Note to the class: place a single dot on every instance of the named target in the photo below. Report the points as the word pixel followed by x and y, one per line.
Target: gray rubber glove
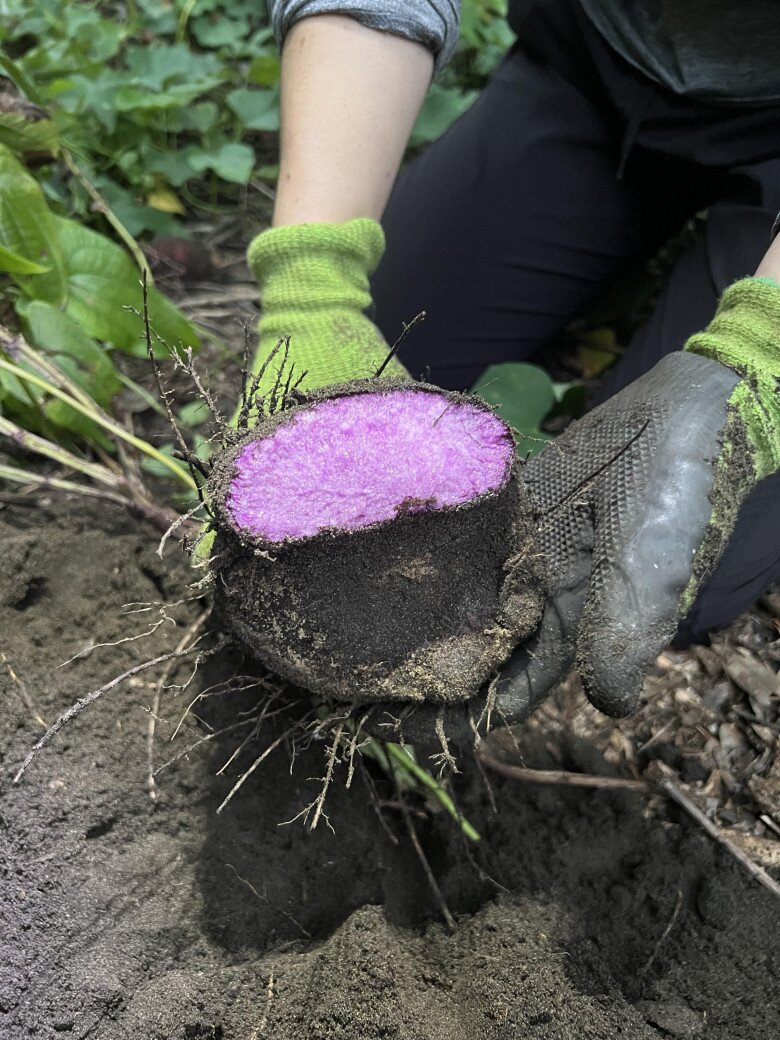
pixel 623 504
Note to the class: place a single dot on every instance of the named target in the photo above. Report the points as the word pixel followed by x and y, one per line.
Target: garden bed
pixel 581 913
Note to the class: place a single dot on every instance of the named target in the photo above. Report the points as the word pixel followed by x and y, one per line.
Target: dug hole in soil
pixel 123 916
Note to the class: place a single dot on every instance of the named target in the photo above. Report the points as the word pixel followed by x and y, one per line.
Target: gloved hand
pixel 636 503
pixel 314 287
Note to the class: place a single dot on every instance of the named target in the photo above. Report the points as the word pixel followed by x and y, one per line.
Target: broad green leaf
pixel 257 109
pixel 175 167
pixel 77 424
pixel 441 108
pixel 220 31
pixel 12 263
pixel 80 357
pixel 231 162
pixel 23 135
pixel 200 117
pixel 264 70
pixel 27 229
pixel 570 399
pixel 523 395
pixel 102 282
pixel 158 65
pixel 194 413
pixel 137 217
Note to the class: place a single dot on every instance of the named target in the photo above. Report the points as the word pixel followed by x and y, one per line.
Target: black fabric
pixel 569 166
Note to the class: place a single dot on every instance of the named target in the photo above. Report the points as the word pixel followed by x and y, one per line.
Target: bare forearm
pixel 770 265
pixel 350 96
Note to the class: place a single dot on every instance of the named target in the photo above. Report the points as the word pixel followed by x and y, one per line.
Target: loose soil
pixel 126 917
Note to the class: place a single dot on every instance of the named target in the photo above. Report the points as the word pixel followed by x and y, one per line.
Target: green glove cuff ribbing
pixel 314 283
pixel 744 335
pixel 317 263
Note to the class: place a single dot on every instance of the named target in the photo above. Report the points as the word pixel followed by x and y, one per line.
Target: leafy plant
pixel 149 100
pixel 71 289
pixel 163 105
pixel 526 396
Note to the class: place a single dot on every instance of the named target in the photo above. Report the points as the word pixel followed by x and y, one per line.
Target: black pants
pixel 568 166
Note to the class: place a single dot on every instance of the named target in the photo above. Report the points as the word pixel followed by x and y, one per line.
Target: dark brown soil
pixel 125 917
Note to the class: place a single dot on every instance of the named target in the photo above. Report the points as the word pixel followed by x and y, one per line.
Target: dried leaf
pixel 164 200
pixel 752 675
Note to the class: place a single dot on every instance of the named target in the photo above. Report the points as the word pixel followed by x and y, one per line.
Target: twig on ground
pixel 320 802
pixel 182 645
pixel 23 692
pixel 560 777
pixel 449 920
pixel 267 901
pixel 90 698
pixel 670 788
pixel 664 935
pixel 269 996
pixel 666 785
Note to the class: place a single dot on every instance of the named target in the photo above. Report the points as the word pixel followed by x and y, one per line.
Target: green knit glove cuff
pixel 314 283
pixel 744 335
pixel 317 264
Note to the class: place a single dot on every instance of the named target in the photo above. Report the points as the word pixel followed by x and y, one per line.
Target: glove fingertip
pixel 612 676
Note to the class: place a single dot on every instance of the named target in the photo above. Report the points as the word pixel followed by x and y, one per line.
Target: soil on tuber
pixel 375 543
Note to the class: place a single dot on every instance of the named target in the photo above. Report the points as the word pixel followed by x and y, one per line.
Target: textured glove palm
pixel 636 503
pixel 314 287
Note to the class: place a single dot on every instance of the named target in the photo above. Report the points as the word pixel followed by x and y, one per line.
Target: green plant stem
pixel 16 346
pixel 102 420
pixel 24 476
pixel 20 80
pixel 404 761
pixel 32 442
pixel 184 17
pixel 103 207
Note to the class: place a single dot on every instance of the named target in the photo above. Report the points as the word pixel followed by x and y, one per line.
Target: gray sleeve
pixel 433 23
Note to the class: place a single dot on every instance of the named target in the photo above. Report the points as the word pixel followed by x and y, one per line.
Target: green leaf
pixel 264 70
pixel 23 135
pixel 27 229
pixel 194 413
pixel 220 31
pixel 12 263
pixel 66 418
pixel 158 65
pixel 17 76
pixel 102 281
pixel 570 399
pixel 443 105
pixel 523 395
pixel 257 109
pixel 200 117
pixel 231 162
pixel 81 358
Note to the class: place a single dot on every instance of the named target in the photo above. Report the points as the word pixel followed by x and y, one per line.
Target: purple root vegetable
pixel 375 543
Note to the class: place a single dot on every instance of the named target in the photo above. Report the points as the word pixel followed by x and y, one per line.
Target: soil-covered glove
pixel 636 503
pixel 314 286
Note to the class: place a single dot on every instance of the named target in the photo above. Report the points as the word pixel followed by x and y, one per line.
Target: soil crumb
pixel 581 915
